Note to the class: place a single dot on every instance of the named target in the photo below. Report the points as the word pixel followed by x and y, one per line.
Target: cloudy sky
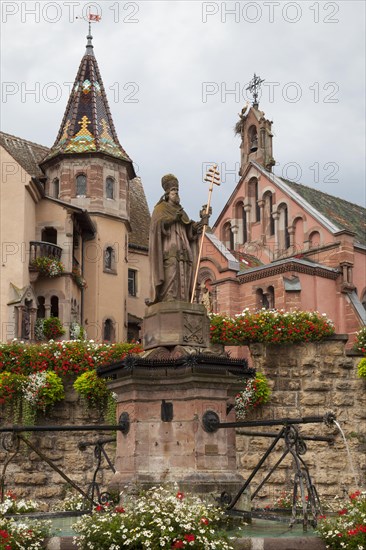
pixel 176 74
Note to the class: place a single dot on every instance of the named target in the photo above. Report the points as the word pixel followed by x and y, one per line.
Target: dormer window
pixel 109 188
pixel 81 185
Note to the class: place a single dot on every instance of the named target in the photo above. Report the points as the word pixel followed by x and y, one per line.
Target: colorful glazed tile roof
pixel 87 125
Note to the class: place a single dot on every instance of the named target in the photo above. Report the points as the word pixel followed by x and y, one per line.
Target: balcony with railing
pixel 42 249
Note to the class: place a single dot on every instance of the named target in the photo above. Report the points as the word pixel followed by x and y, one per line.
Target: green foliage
pixel 360 344
pixel 155 519
pixel 255 393
pixel 348 529
pixel 48 267
pixel 92 388
pixel 271 327
pixel 361 368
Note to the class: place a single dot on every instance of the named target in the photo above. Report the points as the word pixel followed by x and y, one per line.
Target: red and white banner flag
pixel 94 17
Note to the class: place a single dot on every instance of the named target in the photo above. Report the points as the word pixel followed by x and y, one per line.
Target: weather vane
pixel 254 87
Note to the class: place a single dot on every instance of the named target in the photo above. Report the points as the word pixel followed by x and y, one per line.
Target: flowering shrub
pixel 78 278
pixel 270 326
pixel 361 368
pixel 49 329
pixel 72 503
pixel 67 357
pixel 48 267
pixel 348 529
pixel 360 344
pixel 256 392
pixel 95 392
pixel 39 391
pixel 25 534
pixel 24 395
pixel 11 505
pixel 77 332
pixel 156 519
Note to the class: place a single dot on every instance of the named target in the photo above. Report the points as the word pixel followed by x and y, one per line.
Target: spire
pixel 89 45
pixel 87 125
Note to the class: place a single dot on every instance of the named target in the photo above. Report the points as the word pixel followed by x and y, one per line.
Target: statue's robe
pixel 173 253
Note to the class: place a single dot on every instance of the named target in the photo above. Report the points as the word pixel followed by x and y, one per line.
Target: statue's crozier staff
pixel 172 246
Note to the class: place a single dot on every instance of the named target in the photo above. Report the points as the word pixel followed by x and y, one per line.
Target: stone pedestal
pixel 169 324
pixel 166 441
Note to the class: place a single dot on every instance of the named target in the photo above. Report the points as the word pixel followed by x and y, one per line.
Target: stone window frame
pixel 109 321
pixel 81 174
pixel 111 267
pixel 133 278
pixel 110 179
pixel 55 188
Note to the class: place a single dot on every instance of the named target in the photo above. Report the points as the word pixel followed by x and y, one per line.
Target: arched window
pixel 81 185
pixel 228 236
pixel 252 139
pixel 41 310
pixel 49 235
pixel 283 234
pixel 314 239
pixel 269 221
pixel 56 188
pixel 271 297
pixel 253 195
pixel 108 258
pixel 108 330
pixel 54 306
pixel 109 188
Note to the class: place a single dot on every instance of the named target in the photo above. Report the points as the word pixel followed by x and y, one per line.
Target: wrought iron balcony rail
pixel 42 249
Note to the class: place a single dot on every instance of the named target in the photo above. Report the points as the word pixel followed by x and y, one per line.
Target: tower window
pixel 132 282
pixel 54 306
pixel 109 188
pixel 108 330
pixel 49 235
pixel 81 185
pixel 109 260
pixel 253 139
pixel 56 188
pixel 41 310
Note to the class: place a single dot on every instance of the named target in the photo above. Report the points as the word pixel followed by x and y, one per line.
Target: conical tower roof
pixel 87 125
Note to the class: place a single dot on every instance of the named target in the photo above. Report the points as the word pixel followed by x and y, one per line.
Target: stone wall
pixel 309 380
pixel 30 477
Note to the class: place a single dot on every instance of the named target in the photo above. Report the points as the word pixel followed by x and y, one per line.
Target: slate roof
pixel 26 153
pixel 342 213
pixel 87 125
pixel 139 215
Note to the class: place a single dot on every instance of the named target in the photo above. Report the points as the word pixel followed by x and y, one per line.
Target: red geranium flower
pixel 119 509
pixel 189 538
pixel 180 496
pixel 178 544
pixel 204 521
pixel 342 512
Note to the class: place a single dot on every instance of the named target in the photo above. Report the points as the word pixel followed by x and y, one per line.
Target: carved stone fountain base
pixel 169 324
pixel 165 442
